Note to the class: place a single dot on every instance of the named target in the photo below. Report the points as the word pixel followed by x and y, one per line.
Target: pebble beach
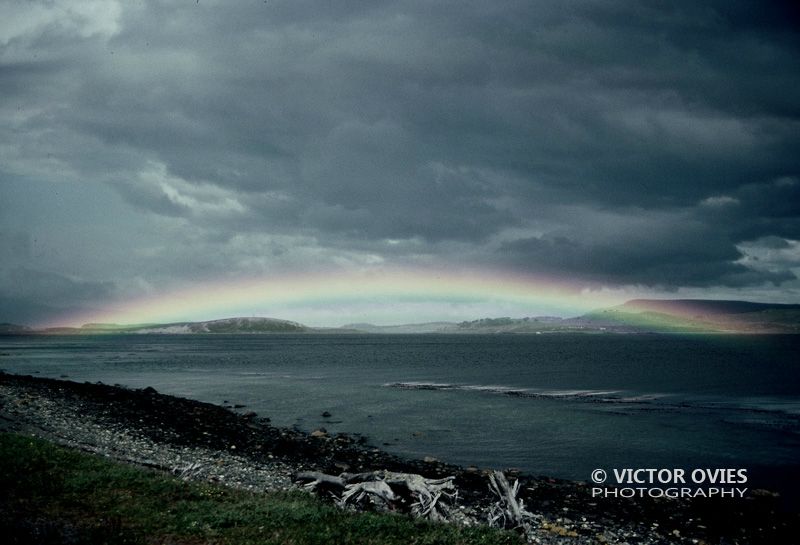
pixel 232 446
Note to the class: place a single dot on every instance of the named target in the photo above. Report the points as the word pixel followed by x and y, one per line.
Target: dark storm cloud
pixel 692 246
pixel 28 295
pixel 691 255
pixel 621 142
pixel 770 209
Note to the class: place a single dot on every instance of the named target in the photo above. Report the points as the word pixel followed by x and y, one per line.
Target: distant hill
pixel 428 327
pixel 480 326
pixel 695 315
pixel 230 325
pixel 635 316
pixel 13 329
pixel 537 324
pixel 226 325
pixel 703 307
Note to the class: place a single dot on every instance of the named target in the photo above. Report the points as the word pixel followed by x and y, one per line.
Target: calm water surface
pixel 558 405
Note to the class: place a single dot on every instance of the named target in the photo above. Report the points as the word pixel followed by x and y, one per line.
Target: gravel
pixel 223 445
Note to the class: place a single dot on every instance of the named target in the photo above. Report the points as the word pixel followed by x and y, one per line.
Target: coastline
pixel 234 447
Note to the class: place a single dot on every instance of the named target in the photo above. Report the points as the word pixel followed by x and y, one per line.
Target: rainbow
pixel 381 296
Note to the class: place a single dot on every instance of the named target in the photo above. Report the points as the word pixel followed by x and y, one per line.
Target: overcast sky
pixel 650 146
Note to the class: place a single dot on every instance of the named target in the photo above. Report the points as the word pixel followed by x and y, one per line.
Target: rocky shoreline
pixel 231 446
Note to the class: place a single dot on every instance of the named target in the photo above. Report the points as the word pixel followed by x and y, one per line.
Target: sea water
pixel 559 405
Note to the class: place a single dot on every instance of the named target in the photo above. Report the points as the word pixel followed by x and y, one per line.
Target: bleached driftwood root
pixel 188 472
pixel 432 497
pixel 368 490
pixel 423 497
pixel 509 511
pixel 315 478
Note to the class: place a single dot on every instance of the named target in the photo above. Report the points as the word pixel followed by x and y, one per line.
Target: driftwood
pixel 315 478
pixel 189 472
pixel 509 511
pixel 368 490
pixel 421 496
pixel 426 493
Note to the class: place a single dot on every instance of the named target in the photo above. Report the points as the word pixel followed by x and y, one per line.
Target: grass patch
pixel 50 494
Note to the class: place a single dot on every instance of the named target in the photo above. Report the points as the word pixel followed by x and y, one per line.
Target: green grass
pixel 50 494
